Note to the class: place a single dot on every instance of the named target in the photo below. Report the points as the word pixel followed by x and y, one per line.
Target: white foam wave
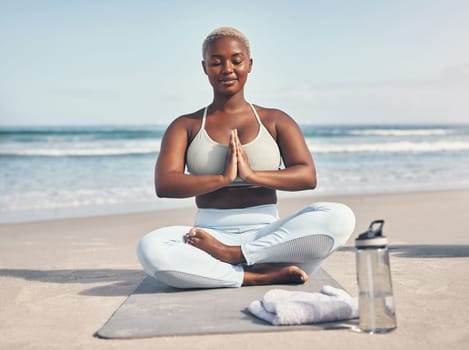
pixel 73 198
pixel 85 150
pixel 403 146
pixel 401 132
pixel 398 147
pixel 75 152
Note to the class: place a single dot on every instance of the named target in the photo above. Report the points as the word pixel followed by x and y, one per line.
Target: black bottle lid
pixel 373 237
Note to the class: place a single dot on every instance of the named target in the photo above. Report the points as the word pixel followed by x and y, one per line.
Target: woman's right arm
pixel 170 179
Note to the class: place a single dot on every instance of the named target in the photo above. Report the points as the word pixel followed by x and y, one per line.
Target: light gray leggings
pixel 304 238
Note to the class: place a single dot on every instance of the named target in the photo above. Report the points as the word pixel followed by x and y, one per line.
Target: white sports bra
pixel 206 156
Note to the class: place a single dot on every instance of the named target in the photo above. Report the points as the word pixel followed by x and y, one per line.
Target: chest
pixel 219 126
pixel 220 132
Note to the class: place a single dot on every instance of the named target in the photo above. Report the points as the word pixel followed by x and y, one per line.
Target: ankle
pixel 234 255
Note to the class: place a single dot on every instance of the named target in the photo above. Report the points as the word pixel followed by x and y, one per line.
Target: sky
pixel 134 62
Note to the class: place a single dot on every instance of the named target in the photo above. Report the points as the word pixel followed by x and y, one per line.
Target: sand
pixel 61 280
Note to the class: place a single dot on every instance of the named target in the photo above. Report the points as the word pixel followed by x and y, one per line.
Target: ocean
pixel 55 172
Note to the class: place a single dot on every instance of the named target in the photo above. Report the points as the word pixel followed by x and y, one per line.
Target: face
pixel 227 65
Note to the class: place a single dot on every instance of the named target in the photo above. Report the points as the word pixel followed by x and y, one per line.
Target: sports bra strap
pixel 202 127
pixel 257 115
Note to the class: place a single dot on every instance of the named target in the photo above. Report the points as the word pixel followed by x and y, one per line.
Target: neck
pixel 228 103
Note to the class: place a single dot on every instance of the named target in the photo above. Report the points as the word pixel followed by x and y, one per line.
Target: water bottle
pixel 376 301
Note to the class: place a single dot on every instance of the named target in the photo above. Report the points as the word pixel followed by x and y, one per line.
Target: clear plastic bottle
pixel 376 300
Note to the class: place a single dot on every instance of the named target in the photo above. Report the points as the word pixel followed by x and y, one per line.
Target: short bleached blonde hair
pixel 225 32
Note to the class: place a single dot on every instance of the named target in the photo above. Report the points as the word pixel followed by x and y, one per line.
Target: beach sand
pixel 61 280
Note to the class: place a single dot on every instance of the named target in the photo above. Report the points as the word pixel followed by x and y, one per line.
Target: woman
pixel 233 152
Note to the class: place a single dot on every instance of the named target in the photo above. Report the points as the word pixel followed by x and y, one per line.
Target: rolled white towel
pixel 282 307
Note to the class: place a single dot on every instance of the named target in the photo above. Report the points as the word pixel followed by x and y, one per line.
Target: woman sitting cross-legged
pixel 233 151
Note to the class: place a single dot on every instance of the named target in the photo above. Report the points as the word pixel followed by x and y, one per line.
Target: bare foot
pixel 267 274
pixel 203 240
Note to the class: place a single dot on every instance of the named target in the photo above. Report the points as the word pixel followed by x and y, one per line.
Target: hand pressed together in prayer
pixel 237 162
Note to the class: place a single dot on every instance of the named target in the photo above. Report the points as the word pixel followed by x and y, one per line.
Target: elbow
pixel 161 191
pixel 305 180
pixel 312 181
pixel 308 177
pixel 167 191
pixel 163 187
pixel 306 183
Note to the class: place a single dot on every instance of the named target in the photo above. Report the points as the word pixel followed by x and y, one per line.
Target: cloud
pixel 437 100
pixel 457 73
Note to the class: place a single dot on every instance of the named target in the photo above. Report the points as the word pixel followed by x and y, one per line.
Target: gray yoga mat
pixel 155 309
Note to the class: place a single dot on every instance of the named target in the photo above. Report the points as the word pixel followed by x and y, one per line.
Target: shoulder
pixel 274 119
pixel 188 119
pixel 187 123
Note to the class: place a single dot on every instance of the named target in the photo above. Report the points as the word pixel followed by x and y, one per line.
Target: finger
pixel 237 141
pixel 240 150
pixel 231 143
pixel 234 134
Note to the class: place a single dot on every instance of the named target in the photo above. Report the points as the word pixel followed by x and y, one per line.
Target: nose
pixel 227 67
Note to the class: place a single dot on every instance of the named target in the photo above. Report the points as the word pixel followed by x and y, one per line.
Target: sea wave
pixel 82 150
pixel 72 198
pixel 402 132
pixel 392 147
pixel 96 133
pixel 77 152
pixel 154 148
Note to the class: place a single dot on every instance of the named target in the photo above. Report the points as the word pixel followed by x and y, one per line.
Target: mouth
pixel 227 80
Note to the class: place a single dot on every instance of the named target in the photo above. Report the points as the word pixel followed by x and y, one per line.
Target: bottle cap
pixel 373 237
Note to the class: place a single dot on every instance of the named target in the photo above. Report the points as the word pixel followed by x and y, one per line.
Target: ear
pixel 250 65
pixel 204 67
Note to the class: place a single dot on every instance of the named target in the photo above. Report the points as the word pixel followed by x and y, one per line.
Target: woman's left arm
pixel 299 173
